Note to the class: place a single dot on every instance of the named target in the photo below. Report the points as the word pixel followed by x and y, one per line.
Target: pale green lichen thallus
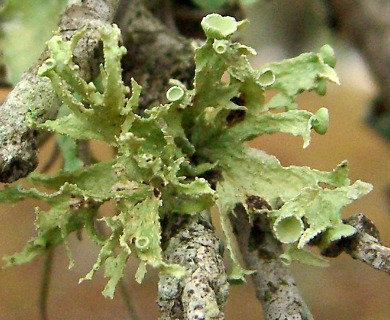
pixel 154 173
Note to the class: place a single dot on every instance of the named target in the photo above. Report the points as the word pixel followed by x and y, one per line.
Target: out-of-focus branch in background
pixel 366 24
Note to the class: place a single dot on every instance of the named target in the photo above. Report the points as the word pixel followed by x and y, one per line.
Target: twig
pixel 275 286
pixel 34 97
pixel 55 153
pixel 18 140
pixel 364 245
pixel 85 152
pixel 202 292
pixel 45 284
pixel 130 307
pixel 3 73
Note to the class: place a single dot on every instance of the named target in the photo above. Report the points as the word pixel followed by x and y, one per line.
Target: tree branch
pixel 364 245
pixel 202 292
pixel 275 286
pixel 155 53
pixel 366 24
pixel 34 97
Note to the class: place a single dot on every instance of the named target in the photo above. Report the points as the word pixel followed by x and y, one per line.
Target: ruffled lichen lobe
pixel 186 156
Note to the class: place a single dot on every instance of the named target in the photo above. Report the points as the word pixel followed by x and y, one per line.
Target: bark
pixel 155 53
pixel 364 245
pixel 275 286
pixel 34 98
pixel 203 291
pixel 366 24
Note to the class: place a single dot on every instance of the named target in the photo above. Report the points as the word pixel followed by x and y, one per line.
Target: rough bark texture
pixel 275 286
pixel 366 23
pixel 155 53
pixel 203 291
pixel 33 96
pixel 18 155
pixel 364 245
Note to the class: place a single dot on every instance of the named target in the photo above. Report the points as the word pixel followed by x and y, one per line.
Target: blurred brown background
pixel 346 290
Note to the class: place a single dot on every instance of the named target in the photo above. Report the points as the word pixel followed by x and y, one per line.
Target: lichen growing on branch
pixel 186 156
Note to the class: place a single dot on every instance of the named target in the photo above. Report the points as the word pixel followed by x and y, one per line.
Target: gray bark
pixel 274 283
pixel 203 291
pixel 34 98
pixel 155 53
pixel 364 245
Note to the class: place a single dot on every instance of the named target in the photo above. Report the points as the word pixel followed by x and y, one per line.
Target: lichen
pixel 186 156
